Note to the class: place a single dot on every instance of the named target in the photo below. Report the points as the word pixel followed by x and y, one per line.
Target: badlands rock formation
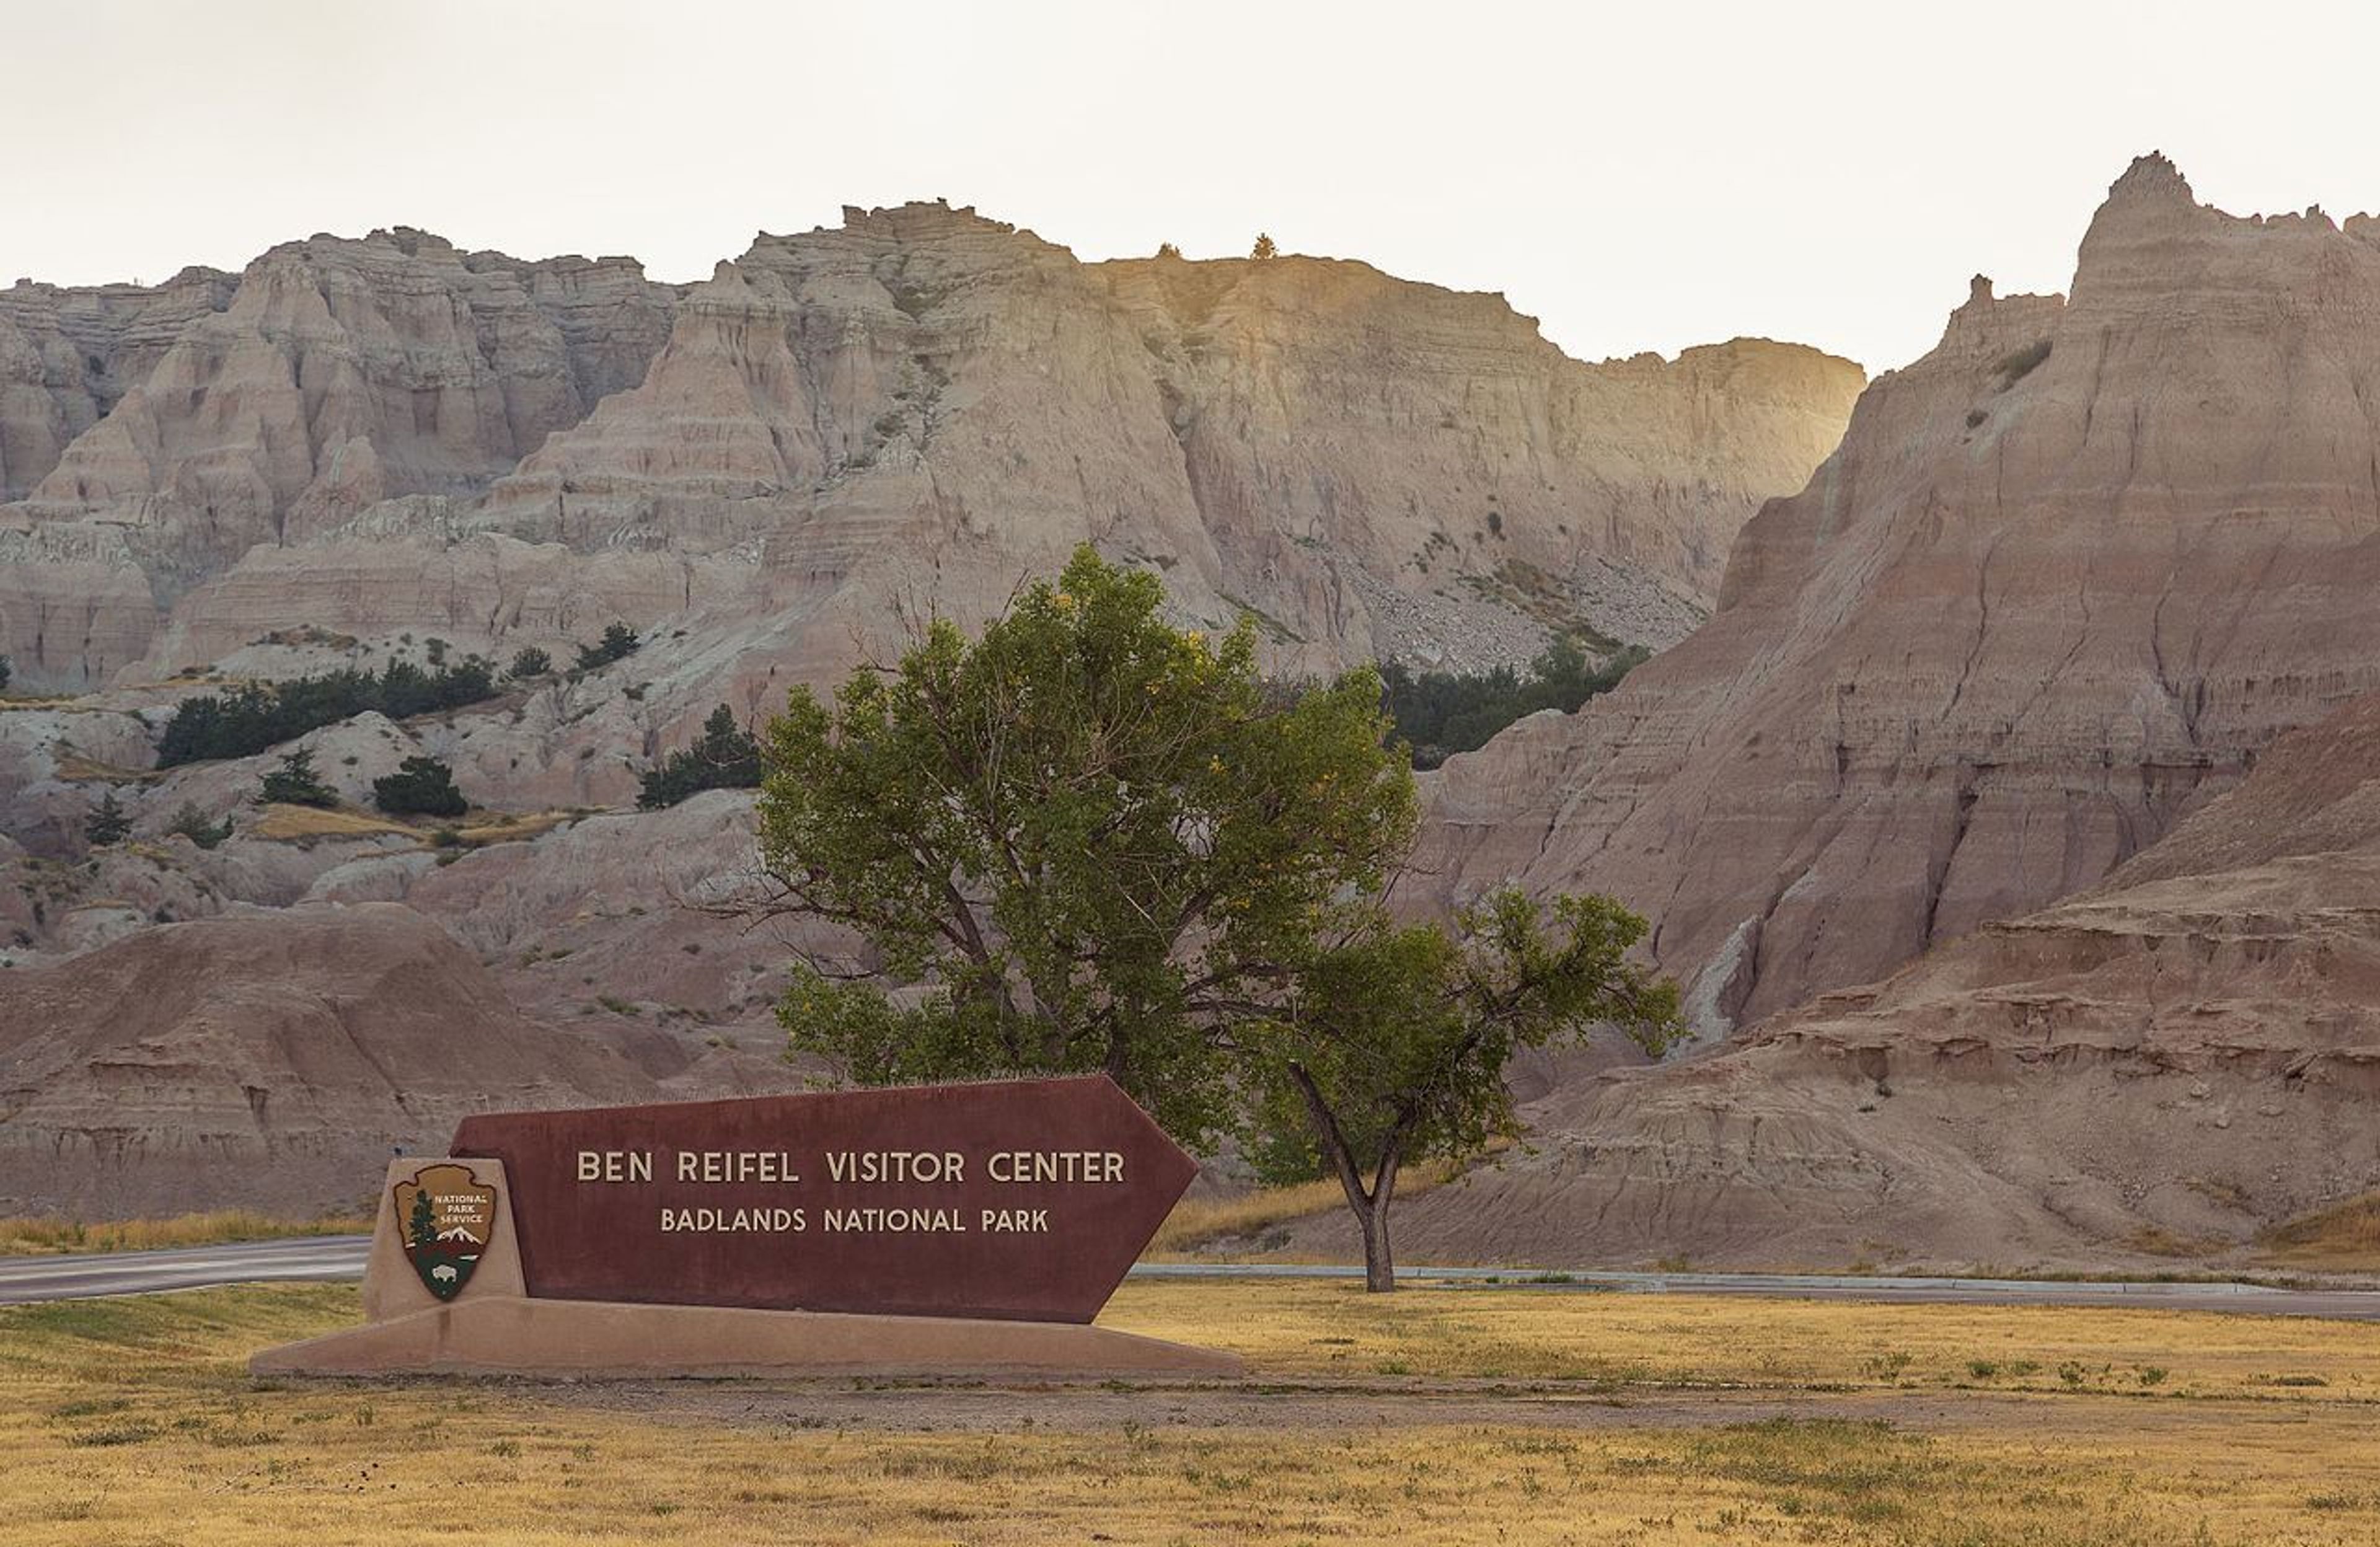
pixel 2064 579
pixel 2162 1065
pixel 271 1059
pixel 385 436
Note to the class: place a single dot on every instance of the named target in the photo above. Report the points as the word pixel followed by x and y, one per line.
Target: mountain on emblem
pixel 444 1218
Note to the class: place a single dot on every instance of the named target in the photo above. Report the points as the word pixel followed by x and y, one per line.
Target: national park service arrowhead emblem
pixel 446 1216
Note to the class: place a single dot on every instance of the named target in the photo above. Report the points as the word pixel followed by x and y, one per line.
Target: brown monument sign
pixel 931 1230
pixel 1018 1200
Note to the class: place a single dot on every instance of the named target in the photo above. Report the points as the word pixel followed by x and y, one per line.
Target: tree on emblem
pixel 425 1222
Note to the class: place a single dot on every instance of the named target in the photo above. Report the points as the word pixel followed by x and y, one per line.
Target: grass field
pixel 1437 1416
pixel 43 1237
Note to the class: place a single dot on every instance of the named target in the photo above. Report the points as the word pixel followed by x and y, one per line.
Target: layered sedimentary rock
pixel 271 1059
pixel 917 410
pixel 2064 579
pixel 156 438
pixel 1324 408
pixel 929 405
pixel 346 372
pixel 2166 1063
pixel 68 355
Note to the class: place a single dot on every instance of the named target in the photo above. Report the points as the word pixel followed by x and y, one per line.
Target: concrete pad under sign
pixel 516 1335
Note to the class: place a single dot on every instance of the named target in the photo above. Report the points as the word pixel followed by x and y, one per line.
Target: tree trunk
pixel 1379 1265
pixel 1370 1205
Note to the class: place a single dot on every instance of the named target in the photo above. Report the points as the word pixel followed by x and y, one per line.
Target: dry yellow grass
pixel 291 822
pixel 130 1421
pixel 299 822
pixel 2344 1237
pixel 1624 1342
pixel 36 1237
pixel 74 768
pixel 1201 1222
pixel 496 827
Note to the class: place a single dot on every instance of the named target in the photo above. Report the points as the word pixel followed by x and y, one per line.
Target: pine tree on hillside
pixel 295 783
pixel 421 786
pixel 108 824
pixel 192 823
pixel 725 756
pixel 619 643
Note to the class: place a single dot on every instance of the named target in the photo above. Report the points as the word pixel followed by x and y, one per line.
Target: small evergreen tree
pixel 108 825
pixel 192 823
pixel 1167 249
pixel 295 783
pixel 421 786
pixel 4 670
pixel 725 756
pixel 619 641
pixel 1264 247
pixel 528 663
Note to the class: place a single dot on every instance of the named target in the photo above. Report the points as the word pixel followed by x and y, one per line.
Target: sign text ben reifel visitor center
pixel 1022 1199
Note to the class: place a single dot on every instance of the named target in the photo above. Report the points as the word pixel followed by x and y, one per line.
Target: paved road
pixel 139 1272
pixel 342 1257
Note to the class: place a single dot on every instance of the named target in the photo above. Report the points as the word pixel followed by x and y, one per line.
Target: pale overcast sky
pixel 1644 177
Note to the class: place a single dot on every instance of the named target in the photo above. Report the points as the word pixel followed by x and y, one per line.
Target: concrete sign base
pixel 516 1335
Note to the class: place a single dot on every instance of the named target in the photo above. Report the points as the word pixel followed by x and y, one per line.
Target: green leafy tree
pixel 619 643
pixel 1264 247
pixel 725 756
pixel 421 786
pixel 107 822
pixel 1392 1047
pixel 295 783
pixel 528 663
pixel 192 823
pixel 1088 841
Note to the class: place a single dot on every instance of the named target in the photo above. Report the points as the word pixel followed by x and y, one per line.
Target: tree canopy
pixel 1439 713
pixel 421 786
pixel 725 756
pixel 1091 840
pixel 108 823
pixel 619 643
pixel 1084 841
pixel 294 781
pixel 250 718
pixel 1390 1047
